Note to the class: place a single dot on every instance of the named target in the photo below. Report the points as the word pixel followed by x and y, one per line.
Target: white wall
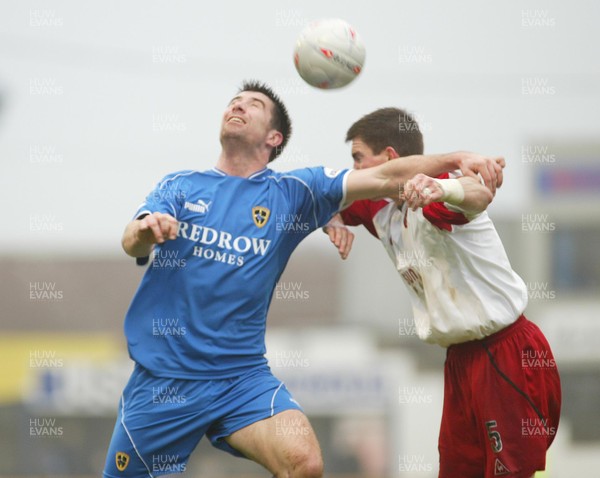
pixel 135 89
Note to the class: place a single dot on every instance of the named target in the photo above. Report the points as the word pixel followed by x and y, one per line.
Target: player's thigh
pixel 122 459
pixel 519 404
pixel 283 443
pixel 160 421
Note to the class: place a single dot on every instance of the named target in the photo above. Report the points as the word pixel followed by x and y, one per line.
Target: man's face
pixel 248 116
pixel 364 157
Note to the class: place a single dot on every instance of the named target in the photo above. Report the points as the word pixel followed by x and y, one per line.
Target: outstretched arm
pixel 387 180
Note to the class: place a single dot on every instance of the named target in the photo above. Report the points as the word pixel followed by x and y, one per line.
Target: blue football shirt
pixel 200 310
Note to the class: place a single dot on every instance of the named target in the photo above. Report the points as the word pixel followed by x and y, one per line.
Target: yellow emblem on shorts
pixel 260 215
pixel 122 460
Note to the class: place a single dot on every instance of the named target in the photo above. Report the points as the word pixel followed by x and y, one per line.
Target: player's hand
pixel 340 236
pixel 421 191
pixel 490 169
pixel 157 228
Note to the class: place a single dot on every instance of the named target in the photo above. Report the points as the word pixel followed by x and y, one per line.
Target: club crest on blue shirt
pixel 122 460
pixel 260 215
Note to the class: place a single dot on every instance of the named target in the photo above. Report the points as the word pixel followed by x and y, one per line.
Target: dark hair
pixel 388 127
pixel 280 118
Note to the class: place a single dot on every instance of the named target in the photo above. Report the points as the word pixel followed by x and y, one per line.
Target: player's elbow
pixel 488 197
pixel 127 245
pixel 477 200
pixel 485 199
pixel 128 242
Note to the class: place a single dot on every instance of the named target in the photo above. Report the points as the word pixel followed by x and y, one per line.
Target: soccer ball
pixel 329 54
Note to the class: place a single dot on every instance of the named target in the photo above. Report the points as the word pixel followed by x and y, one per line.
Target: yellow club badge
pixel 122 460
pixel 260 215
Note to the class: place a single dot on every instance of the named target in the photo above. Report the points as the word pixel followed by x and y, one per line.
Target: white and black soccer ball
pixel 329 54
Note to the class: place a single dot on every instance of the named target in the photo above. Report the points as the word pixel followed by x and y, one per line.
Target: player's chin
pixel 229 133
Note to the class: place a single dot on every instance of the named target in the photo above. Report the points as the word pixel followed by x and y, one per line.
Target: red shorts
pixel 501 405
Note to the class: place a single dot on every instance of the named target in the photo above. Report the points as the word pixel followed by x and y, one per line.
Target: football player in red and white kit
pixel 501 386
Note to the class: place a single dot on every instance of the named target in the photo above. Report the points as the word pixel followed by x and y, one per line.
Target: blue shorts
pixel 161 420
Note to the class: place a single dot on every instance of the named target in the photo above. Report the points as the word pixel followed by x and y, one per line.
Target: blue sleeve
pixel 167 197
pixel 318 191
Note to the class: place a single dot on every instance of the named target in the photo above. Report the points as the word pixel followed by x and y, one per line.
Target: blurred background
pixel 99 100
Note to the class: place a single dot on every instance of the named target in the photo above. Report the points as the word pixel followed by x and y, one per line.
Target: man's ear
pixel 274 138
pixel 391 153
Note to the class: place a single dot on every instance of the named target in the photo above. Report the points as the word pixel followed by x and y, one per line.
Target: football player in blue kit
pixel 195 328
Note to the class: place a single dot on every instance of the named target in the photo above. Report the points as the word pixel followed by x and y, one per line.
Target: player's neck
pixel 243 164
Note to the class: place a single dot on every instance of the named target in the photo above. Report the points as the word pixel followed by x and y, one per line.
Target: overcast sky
pixel 99 100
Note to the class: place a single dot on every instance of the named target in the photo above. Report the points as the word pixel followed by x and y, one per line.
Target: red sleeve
pixel 363 212
pixel 440 216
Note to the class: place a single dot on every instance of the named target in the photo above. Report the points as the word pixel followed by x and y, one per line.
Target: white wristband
pixel 454 192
